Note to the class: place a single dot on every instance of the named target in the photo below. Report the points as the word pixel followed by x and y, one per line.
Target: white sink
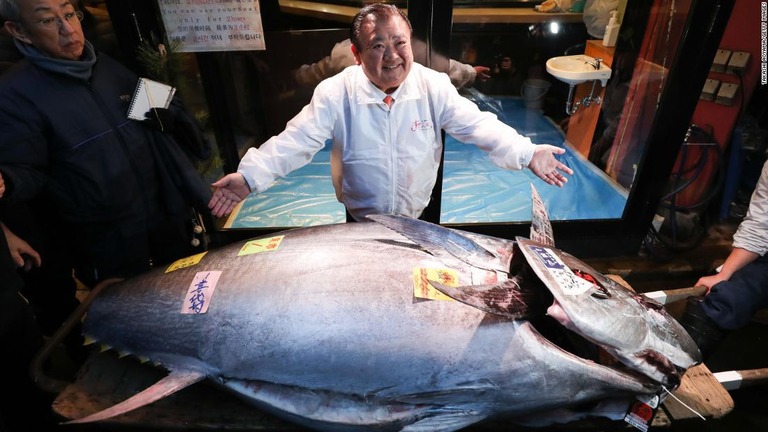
pixel 576 69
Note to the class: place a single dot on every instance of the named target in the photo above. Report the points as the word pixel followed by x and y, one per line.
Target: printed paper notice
pixel 213 25
pixel 424 290
pixel 564 277
pixel 186 262
pixel 260 245
pixel 200 292
pixel 541 228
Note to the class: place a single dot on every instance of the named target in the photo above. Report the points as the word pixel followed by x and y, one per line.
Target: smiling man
pixel 384 117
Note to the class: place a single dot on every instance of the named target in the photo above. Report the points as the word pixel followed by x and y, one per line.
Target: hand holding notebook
pixel 149 94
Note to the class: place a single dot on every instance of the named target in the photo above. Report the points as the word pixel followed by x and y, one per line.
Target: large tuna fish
pixel 340 327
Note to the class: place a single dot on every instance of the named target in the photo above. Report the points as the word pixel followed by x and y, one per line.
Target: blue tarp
pixel 474 189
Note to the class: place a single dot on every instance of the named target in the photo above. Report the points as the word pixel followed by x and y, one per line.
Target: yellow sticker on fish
pixel 186 262
pixel 424 290
pixel 260 245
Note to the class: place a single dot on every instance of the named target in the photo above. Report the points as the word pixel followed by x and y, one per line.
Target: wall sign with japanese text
pixel 213 25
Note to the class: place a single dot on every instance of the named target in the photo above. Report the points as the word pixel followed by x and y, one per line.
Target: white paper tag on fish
pixel 200 292
pixel 568 282
pixel 641 412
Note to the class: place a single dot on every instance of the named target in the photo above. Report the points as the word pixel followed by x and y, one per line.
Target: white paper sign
pixel 568 282
pixel 200 292
pixel 213 25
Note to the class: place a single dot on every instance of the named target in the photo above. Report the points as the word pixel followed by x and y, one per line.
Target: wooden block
pixel 699 392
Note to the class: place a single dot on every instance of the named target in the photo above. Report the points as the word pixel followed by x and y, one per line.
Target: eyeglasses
pixel 56 22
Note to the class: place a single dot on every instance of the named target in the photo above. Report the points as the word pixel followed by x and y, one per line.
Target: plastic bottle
pixel 611 31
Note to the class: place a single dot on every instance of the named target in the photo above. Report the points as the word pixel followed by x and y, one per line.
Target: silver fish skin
pixel 324 330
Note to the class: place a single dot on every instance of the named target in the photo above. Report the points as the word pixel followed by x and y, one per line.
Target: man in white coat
pixel 385 155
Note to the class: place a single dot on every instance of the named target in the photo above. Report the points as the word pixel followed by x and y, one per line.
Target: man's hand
pixel 161 119
pixel 2 185
pixel 710 281
pixel 736 260
pixel 21 252
pixel 547 167
pixel 228 191
pixel 482 73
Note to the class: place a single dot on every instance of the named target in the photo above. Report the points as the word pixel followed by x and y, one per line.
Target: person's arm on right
pixel 547 167
pixel 506 147
pixel 751 238
pixel 737 259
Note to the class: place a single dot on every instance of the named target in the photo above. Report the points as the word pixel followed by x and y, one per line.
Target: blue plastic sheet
pixel 474 189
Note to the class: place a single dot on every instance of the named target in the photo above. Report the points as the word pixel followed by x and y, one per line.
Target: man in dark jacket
pixel 119 192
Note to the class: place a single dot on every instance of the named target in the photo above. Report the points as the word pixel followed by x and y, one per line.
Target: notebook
pixel 149 94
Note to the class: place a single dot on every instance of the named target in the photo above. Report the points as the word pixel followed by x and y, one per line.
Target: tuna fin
pixel 541 228
pixel 507 298
pixel 173 382
pixel 438 240
pixel 449 421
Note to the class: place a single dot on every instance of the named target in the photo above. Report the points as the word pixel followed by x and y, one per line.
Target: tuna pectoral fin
pixel 172 383
pixel 445 422
pixel 505 299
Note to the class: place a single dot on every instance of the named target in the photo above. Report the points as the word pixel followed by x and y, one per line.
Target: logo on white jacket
pixel 421 125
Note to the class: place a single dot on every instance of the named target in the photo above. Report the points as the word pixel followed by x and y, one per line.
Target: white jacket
pixel 752 234
pixel 383 160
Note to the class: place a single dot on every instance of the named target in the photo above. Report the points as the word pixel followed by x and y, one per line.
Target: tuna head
pixel 635 330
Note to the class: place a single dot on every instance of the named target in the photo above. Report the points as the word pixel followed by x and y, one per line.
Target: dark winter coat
pixel 69 143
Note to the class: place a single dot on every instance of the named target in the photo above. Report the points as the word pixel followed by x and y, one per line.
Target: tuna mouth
pixel 581 347
pixel 551 322
pixel 571 341
pixel 586 350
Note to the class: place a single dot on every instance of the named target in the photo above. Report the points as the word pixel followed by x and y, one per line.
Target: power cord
pixel 685 226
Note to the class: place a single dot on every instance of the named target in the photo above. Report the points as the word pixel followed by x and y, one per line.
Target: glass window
pixel 607 128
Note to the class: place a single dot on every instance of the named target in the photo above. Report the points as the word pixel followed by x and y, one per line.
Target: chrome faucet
pixel 596 63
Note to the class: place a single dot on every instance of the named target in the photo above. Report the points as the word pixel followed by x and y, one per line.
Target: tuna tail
pixel 441 241
pixel 541 228
pixel 173 382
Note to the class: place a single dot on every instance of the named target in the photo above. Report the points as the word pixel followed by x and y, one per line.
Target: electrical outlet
pixel 721 60
pixel 710 89
pixel 727 94
pixel 737 63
